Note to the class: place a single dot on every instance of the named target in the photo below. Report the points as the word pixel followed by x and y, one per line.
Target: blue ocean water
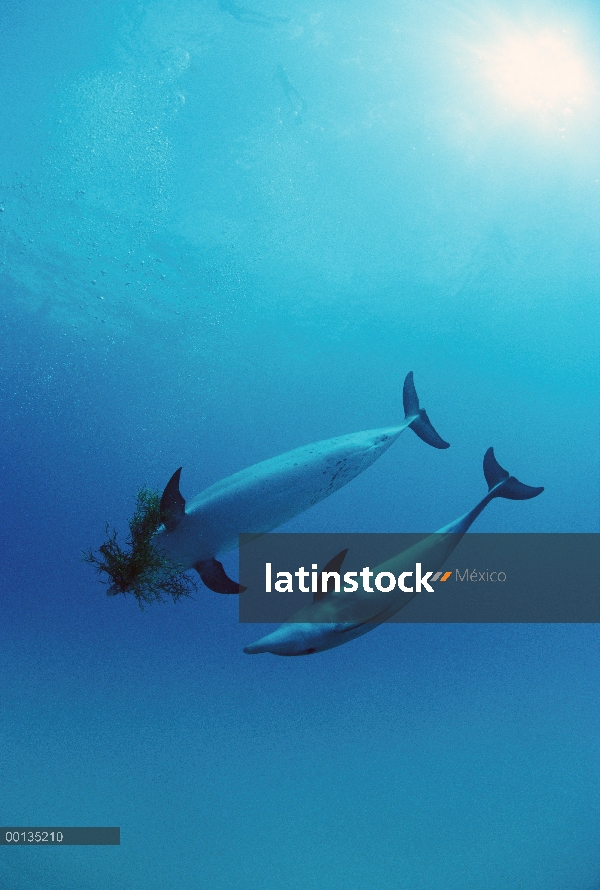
pixel 227 230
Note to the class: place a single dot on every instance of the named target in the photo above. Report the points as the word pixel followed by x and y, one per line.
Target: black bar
pixel 58 837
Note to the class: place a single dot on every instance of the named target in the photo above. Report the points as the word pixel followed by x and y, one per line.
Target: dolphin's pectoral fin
pixel 213 575
pixel 421 425
pixel 172 504
pixel 334 565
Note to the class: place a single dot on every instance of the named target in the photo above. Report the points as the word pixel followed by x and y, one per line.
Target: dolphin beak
pixel 282 641
pixel 255 649
pixel 288 639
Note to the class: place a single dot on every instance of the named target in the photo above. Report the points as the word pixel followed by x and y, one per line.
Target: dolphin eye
pixel 309 651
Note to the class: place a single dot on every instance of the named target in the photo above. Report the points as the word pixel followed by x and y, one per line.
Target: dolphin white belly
pixel 264 496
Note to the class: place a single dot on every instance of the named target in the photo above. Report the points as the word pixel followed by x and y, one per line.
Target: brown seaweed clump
pixel 142 569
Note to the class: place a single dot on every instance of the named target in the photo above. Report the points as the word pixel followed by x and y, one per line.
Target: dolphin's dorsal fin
pixel 172 504
pixel 334 565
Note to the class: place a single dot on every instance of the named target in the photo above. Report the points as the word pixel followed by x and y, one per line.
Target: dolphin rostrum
pixel 264 496
pixel 335 618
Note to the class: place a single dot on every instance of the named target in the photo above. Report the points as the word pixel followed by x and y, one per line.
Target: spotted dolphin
pixel 264 496
pixel 333 619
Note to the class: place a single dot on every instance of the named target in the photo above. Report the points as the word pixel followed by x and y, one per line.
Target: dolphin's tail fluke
pixel 421 425
pixel 502 485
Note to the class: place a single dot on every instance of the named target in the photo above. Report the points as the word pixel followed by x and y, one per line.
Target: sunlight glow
pixel 540 73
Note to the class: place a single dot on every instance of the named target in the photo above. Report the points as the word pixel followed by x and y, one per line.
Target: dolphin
pixel 264 496
pixel 333 619
pixel 250 16
pixel 295 101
